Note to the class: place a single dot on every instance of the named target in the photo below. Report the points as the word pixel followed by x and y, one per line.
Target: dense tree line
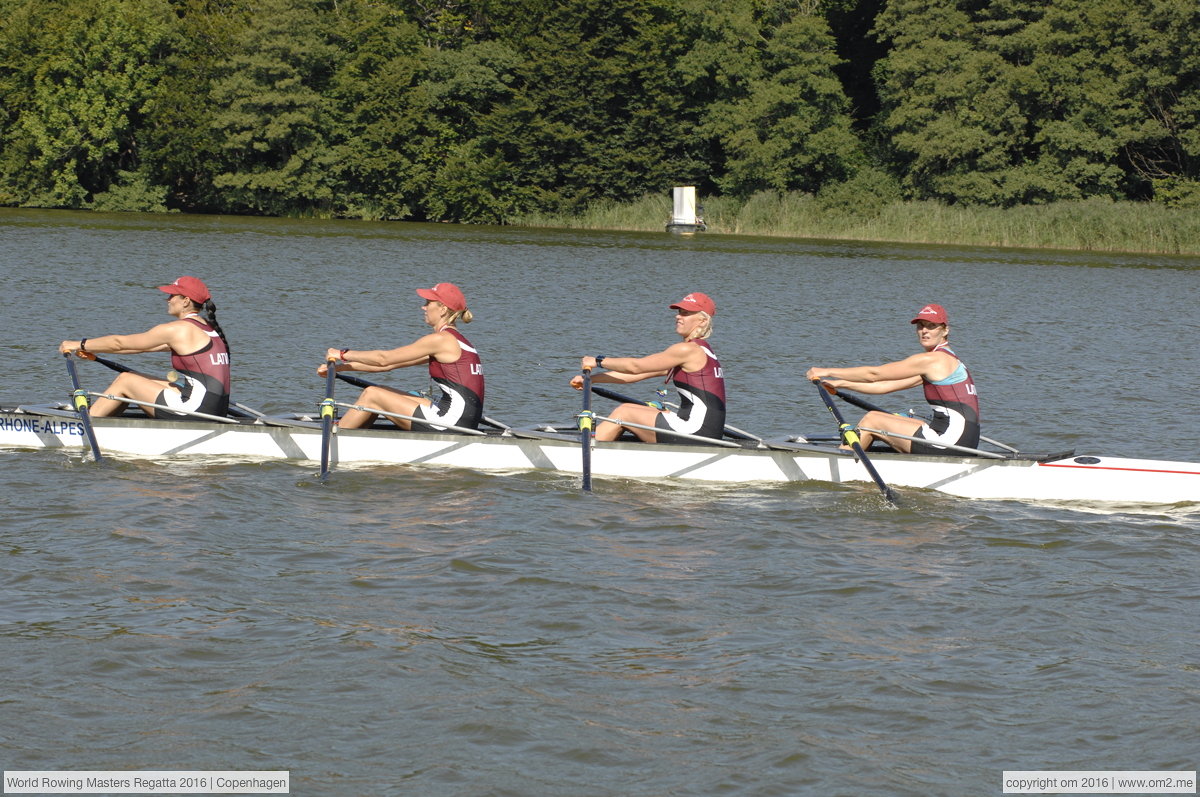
pixel 476 110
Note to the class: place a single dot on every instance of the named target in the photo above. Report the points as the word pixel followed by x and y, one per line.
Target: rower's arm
pixel 159 338
pixel 905 370
pixel 417 353
pixel 874 388
pixel 615 378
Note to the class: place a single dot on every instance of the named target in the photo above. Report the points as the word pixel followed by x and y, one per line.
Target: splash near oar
pixel 328 415
pixel 79 400
pixel 850 438
pixel 587 424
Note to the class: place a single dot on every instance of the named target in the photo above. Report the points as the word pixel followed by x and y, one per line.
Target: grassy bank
pixel 1094 224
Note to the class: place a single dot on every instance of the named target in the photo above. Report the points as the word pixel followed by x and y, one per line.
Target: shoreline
pixel 1090 225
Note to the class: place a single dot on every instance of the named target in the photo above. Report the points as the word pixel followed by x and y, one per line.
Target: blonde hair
pixel 704 330
pixel 455 315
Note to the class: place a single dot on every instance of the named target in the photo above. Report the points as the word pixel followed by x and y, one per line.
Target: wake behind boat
pixel 1091 480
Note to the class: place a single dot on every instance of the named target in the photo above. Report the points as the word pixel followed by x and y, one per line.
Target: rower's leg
pixel 135 386
pixel 634 413
pixel 383 398
pixel 885 421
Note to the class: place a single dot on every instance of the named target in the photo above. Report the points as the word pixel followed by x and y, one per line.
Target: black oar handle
pixel 79 401
pixel 862 404
pixel 850 436
pixel 614 395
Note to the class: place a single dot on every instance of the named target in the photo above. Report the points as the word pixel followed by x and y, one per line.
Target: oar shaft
pixel 587 425
pixel 163 407
pixel 863 404
pixel 851 437
pixel 80 402
pixel 712 441
pixel 328 413
pixel 975 452
pixel 432 422
pixel 730 431
pixel 363 383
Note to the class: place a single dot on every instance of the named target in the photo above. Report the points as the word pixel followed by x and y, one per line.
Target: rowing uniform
pixel 461 384
pixel 205 374
pixel 701 401
pixel 955 405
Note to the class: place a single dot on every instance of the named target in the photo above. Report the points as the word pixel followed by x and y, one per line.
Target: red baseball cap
pixel 933 313
pixel 447 293
pixel 191 287
pixel 696 302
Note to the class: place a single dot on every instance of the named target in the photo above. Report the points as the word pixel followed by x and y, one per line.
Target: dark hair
pixel 210 310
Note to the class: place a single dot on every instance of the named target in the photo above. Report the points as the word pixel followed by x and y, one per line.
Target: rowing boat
pixel 1050 477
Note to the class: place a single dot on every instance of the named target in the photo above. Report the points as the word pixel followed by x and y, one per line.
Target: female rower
pixel 693 367
pixel 199 354
pixel 949 390
pixel 453 364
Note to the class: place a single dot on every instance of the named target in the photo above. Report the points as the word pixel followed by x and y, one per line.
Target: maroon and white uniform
pixel 701 400
pixel 955 404
pixel 205 374
pixel 461 384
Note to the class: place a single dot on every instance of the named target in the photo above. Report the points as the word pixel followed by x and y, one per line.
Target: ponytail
pixel 210 310
pixel 464 315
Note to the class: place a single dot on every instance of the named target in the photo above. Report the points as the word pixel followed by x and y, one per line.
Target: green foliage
pixel 1023 101
pixel 490 110
pixel 782 121
pixel 80 99
pixel 273 124
pixel 131 193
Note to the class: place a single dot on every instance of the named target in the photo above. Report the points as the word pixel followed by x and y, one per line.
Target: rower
pixel 199 353
pixel 691 365
pixel 454 366
pixel 949 390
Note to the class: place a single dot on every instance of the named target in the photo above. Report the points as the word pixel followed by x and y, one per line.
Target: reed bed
pixel 1096 224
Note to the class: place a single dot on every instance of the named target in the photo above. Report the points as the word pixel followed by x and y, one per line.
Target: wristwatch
pixel 600 362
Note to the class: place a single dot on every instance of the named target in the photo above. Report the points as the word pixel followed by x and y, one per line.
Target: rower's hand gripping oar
pixel 850 438
pixel 587 424
pixel 328 415
pixel 79 400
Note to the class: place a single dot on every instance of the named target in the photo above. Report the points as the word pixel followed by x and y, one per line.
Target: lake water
pixel 417 630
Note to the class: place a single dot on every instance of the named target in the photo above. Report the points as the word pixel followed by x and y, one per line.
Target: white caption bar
pixel 212 781
pixel 1057 781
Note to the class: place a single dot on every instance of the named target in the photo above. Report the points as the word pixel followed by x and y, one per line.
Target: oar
pixel 850 437
pixel 121 369
pixel 328 411
pixel 246 412
pixel 80 399
pixel 730 431
pixel 363 383
pixel 863 404
pixel 587 422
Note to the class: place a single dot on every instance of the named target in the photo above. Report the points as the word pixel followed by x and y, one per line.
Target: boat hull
pixel 1078 479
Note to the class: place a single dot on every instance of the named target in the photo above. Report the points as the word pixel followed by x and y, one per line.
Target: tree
pixel 91 80
pixel 1020 101
pixel 273 123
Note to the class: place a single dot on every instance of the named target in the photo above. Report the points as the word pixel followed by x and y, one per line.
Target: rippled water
pixel 416 630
